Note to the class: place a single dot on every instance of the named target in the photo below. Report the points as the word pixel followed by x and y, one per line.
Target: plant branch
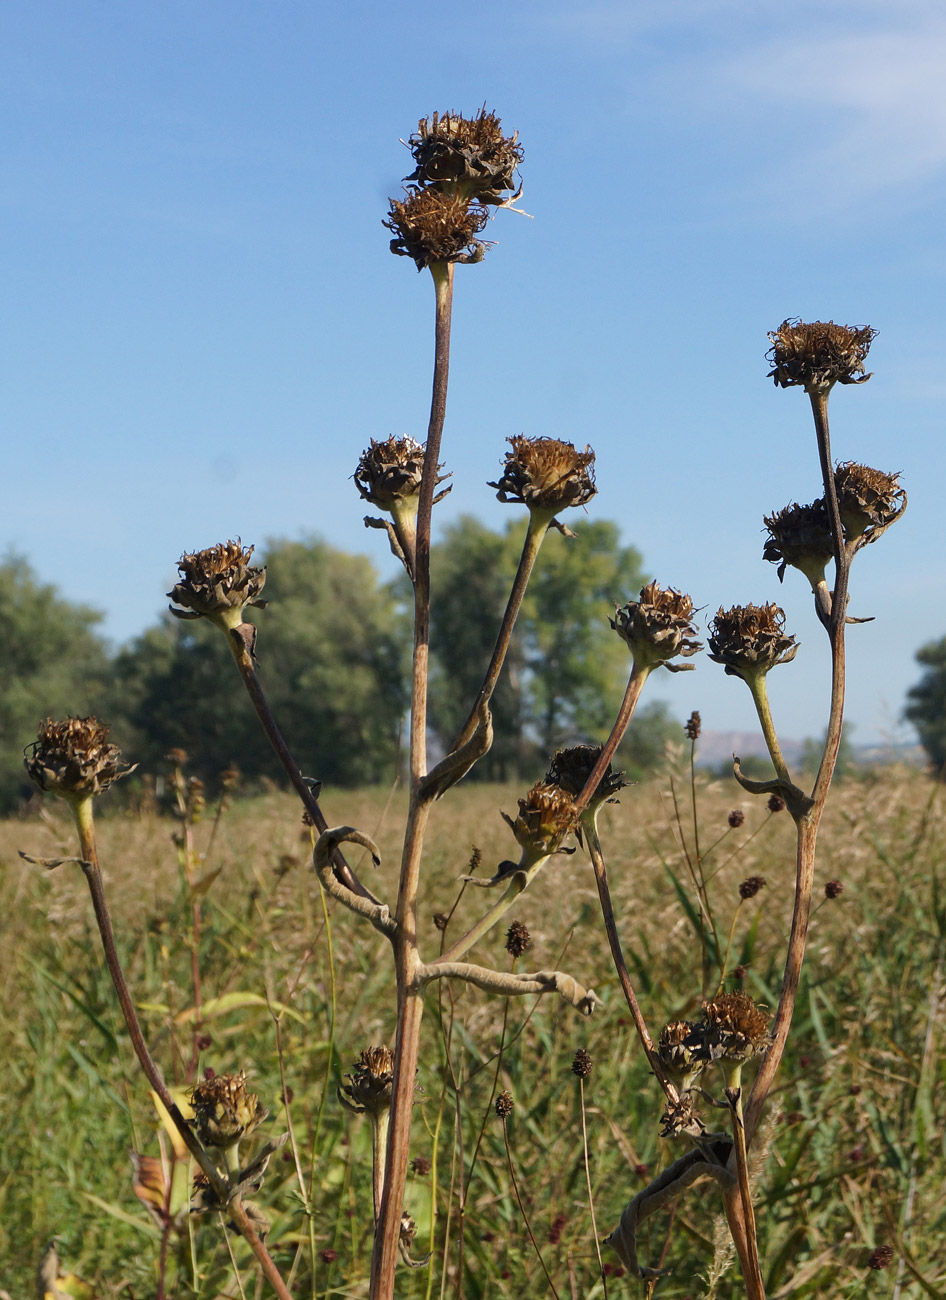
pixel 511 984
pixel 635 685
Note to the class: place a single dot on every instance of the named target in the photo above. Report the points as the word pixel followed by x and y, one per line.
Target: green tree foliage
pixel 566 670
pixel 926 702
pixel 331 650
pixel 54 663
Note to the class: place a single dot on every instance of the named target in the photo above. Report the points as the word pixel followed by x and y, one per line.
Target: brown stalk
pixel 751 1269
pixel 82 812
pixel 635 685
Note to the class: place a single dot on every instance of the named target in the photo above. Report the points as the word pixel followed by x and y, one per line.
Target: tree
pixel 54 664
pixel 331 648
pixel 926 703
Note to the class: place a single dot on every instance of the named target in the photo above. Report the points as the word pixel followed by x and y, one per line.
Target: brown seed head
pixel 421 1166
pixel 329 1255
pixel 224 1111
pixel 657 627
pixel 570 769
pixel 73 758
pixel 751 886
pixel 368 1088
pixel 740 972
pixel 734 1028
pixel 736 818
pixel 440 920
pixel 880 1257
pixel 681 1059
pixel 546 815
pixel 818 354
pixel 833 889
pixel 694 724
pixel 518 939
pixel 555 1231
pixel 581 1064
pixel 218 583
pixel 799 536
pixel 468 156
pixel 749 640
pixel 503 1104
pixel 869 500
pixel 390 471
pixel 546 474
pixel 431 226
pixel 776 803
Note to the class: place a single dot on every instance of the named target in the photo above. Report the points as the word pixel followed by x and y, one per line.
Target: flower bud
pixel 657 627
pixel 518 939
pixel 74 759
pixel 581 1064
pixel 749 640
pixel 546 474
pixel 218 583
pixel 818 354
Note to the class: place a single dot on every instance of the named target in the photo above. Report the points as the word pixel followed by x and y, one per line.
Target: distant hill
pixel 716 747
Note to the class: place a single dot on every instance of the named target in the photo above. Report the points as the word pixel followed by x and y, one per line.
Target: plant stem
pixel 635 685
pixel 755 1287
pixel 760 698
pixel 82 812
pixel 591 1199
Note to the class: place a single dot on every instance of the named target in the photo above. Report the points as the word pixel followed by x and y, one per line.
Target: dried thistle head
pixel 546 815
pixel 657 627
pixel 800 536
pixel 733 1028
pixel 431 226
pixel 570 769
pixel 546 474
pixel 818 354
pixel 868 499
pixel 74 758
pixel 368 1087
pixel 390 471
pixel 682 1062
pixel 468 156
pixel 750 640
pixel 224 1112
pixel 218 583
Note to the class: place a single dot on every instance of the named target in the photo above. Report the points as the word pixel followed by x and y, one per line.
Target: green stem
pixel 760 698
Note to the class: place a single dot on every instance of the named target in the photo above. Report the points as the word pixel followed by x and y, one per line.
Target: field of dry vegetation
pixel 291 990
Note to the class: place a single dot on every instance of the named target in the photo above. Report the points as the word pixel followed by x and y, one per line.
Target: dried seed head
pixel 546 815
pixel 694 724
pixel 880 1257
pixel 390 471
pixel 749 640
pixel 328 1255
pixel 740 972
pixel 833 889
pixel 657 627
pixel 818 354
pixel 503 1104
pixel 518 939
pixel 581 1064
pixel 800 536
pixel 776 803
pixel 421 1166
pixel 557 1228
pixel 468 156
pixel 431 226
pixel 368 1087
pixel 869 500
pixel 440 920
pixel 224 1111
pixel 680 1057
pixel 571 768
pixel 751 886
pixel 546 474
pixel 736 818
pixel 734 1028
pixel 218 583
pixel 73 758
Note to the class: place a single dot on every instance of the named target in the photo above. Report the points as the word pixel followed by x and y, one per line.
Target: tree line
pixel 334 652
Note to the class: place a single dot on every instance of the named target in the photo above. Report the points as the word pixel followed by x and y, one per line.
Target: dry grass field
pixel 856 1125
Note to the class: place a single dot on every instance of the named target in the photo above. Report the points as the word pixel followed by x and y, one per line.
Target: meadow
pixel 253 969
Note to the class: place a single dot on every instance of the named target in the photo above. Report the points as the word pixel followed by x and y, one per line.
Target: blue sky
pixel 202 324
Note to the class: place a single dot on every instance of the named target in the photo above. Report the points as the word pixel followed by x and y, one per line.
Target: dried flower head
pixel 657 627
pixel 431 226
pixel 546 474
pixel 818 354
pixel 440 920
pixel 73 758
pixel 740 972
pixel 750 640
pixel 776 803
pixel 390 471
pixel 736 818
pixel 421 1166
pixel 368 1087
pixel 546 815
pixel 581 1064
pixel 218 583
pixel 734 1028
pixel 518 939
pixel 682 1061
pixel 800 536
pixel 224 1111
pixel 880 1257
pixel 868 499
pixel 556 1229
pixel 503 1104
pixel 468 156
pixel 833 889
pixel 694 724
pixel 570 769
pixel 751 886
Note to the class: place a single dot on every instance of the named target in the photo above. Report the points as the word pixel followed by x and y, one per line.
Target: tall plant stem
pixel 539 522
pixel 752 1271
pixel 410 1006
pixel 82 812
pixel 635 685
pixel 760 698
